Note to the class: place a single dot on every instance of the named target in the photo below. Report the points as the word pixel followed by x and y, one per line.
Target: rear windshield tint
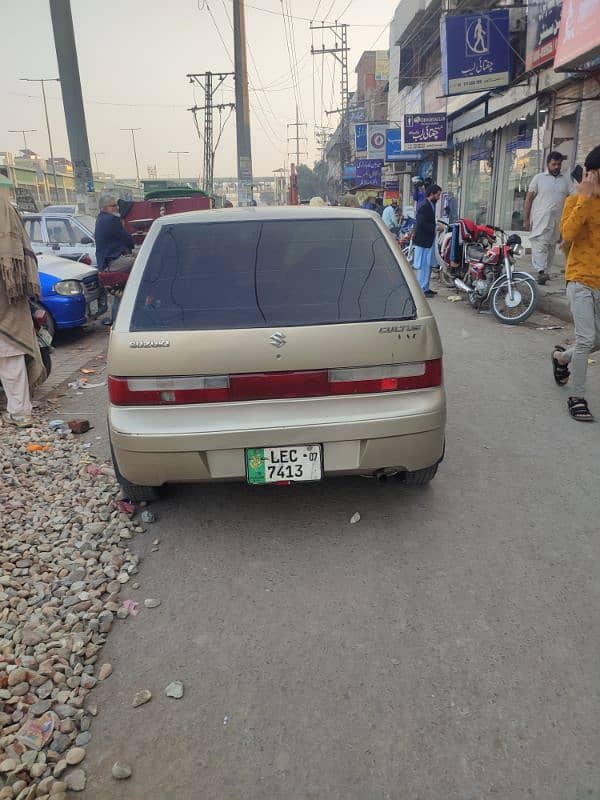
pixel 208 276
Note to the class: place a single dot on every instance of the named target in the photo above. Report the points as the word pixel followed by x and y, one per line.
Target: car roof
pixel 270 213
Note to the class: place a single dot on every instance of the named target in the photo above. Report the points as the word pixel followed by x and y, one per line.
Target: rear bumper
pixel 360 434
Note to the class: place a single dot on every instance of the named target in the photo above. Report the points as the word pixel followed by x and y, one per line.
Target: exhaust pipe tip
pixel 460 285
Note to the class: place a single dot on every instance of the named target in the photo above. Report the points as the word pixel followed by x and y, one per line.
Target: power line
pixel 307 19
pixel 290 56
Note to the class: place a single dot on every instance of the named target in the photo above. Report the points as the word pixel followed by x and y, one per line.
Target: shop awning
pixel 502 121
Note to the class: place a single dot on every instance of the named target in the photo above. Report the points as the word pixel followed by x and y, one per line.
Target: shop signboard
pixel 357 114
pixel 368 171
pixel 376 141
pixel 361 137
pixel 543 25
pixel 425 131
pixel 579 35
pixel 349 172
pixel 476 52
pixel 393 147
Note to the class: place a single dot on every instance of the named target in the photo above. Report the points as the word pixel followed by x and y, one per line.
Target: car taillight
pixel 40 317
pixel 274 385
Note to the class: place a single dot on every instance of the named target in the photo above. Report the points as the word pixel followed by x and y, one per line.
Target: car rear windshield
pixel 210 276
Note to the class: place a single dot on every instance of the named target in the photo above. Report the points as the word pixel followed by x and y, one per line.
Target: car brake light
pixel 274 385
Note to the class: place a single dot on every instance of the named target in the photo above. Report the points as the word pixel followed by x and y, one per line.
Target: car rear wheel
pixel 134 491
pixel 420 477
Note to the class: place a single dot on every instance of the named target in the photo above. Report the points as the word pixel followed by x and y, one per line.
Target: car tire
pixel 134 491
pixel 420 477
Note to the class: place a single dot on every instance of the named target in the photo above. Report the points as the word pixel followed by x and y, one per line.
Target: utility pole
pixel 339 51
pixel 321 138
pixel 297 138
pixel 42 81
pixel 179 153
pixel 209 82
pixel 242 106
pixel 96 157
pixel 24 132
pixel 68 69
pixel 137 169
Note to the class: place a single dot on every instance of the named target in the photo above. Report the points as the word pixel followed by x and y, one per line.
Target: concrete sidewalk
pixel 552 296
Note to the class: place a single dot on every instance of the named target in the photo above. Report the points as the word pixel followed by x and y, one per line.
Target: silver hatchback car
pixel 273 345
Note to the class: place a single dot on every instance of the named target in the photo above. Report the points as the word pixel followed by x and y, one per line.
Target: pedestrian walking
pixel 424 238
pixel 21 367
pixel 580 225
pixel 542 212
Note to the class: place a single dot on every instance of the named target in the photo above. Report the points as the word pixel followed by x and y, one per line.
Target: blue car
pixel 71 292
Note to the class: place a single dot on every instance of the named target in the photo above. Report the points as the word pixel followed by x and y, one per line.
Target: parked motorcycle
pixel 473 241
pixel 40 319
pixel 492 280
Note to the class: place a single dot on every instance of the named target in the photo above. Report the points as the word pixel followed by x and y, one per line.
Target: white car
pixel 62 234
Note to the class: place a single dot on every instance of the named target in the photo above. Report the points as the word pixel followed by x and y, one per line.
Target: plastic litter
pixel 175 690
pixel 35 733
pixel 148 516
pixel 355 518
pixel 55 424
pixel 454 298
pixel 127 507
pixel 132 606
pixel 38 448
pixel 550 328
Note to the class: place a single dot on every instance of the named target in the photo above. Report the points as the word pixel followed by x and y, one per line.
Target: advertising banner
pixel 476 53
pixel 579 35
pixel 382 65
pixel 425 131
pixel 376 142
pixel 543 25
pixel 361 137
pixel 393 148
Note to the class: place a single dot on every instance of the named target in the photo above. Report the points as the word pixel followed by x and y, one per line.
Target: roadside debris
pixel 121 771
pixel 151 602
pixel 454 298
pixel 175 690
pixel 62 556
pixel 355 518
pixel 550 328
pixel 132 606
pixel 148 517
pixel 141 698
pixel 79 426
pixel 105 672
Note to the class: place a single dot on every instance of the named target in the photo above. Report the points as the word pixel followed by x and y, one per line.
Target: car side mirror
pixel 87 240
pixel 56 246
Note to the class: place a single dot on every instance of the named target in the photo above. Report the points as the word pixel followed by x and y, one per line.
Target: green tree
pixel 311 182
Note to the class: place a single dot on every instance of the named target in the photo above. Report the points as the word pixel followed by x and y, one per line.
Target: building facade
pixel 499 137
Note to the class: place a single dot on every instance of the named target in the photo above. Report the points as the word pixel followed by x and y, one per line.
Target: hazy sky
pixel 133 59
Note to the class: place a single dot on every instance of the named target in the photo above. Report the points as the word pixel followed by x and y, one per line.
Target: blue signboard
pixel 393 147
pixel 361 137
pixel 368 171
pixel 476 52
pixel 349 172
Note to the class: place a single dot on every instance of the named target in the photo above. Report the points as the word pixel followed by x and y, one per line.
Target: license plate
pixel 44 337
pixel 94 307
pixel 276 464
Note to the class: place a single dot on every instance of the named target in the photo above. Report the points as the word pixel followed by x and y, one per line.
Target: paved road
pixel 446 647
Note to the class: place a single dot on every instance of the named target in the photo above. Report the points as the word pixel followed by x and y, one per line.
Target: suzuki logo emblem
pixel 278 339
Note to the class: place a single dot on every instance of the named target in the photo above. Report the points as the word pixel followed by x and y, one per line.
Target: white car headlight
pixel 68 288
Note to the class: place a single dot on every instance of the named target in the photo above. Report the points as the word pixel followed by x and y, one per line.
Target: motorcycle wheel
pixel 522 310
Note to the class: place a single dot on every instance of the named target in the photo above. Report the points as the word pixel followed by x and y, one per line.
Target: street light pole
pixel 43 81
pixel 137 169
pixel 23 132
pixel 179 153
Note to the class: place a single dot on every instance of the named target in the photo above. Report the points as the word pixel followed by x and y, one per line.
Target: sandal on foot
pixel 561 371
pixel 578 409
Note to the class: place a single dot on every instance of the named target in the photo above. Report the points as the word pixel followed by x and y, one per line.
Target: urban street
pixel 443 646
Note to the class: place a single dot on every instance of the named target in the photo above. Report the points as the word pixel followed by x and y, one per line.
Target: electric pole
pixel 339 51
pixel 43 81
pixel 23 133
pixel 209 82
pixel 297 138
pixel 68 69
pixel 242 106
pixel 137 169
pixel 179 153
pixel 321 138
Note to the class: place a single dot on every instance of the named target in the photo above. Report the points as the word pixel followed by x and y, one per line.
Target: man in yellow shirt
pixel 580 225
